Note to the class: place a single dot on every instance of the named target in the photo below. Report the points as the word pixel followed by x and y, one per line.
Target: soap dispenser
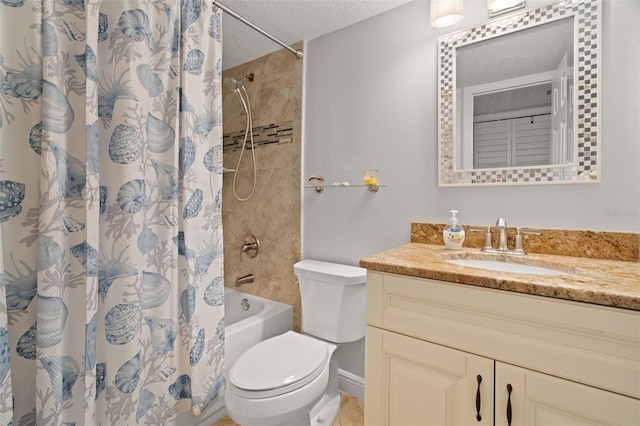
pixel 453 233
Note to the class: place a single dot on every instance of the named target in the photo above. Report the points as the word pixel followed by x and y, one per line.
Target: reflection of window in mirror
pixel 512 128
pixel 513 103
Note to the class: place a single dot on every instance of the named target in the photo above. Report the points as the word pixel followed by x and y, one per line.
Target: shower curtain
pixel 111 280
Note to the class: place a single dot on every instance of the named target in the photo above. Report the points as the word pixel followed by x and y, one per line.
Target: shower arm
pixel 233 14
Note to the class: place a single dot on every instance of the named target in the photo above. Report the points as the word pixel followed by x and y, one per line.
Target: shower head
pixel 234 84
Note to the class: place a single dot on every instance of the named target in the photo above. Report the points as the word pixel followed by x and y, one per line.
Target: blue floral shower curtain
pixel 111 280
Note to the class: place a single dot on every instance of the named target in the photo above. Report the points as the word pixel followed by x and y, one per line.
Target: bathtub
pixel 243 328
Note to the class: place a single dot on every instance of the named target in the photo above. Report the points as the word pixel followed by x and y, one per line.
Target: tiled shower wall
pixel 273 212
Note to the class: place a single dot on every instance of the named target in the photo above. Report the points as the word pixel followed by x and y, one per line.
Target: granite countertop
pixel 603 282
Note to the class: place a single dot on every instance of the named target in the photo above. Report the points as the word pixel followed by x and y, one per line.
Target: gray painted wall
pixel 371 102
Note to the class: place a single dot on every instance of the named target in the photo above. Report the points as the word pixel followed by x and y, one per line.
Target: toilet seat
pixel 279 365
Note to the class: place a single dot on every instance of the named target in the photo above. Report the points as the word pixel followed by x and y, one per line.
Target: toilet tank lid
pixel 330 272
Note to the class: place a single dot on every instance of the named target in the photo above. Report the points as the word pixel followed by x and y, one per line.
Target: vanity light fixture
pixel 445 12
pixel 498 7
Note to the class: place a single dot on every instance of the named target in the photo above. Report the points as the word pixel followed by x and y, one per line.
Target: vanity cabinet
pixel 542 360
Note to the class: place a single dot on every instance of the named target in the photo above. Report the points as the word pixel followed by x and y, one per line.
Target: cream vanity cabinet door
pixel 525 397
pixel 413 382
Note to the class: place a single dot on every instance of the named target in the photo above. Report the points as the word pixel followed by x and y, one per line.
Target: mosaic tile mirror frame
pixel 585 165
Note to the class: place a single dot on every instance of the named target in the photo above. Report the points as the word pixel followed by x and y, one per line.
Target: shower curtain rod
pixel 233 14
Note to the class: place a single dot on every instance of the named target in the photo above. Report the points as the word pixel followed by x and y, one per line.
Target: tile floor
pixel 351 413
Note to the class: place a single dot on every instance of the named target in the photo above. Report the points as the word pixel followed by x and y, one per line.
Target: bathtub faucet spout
pixel 245 279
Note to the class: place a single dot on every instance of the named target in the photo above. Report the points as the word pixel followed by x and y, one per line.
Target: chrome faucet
pixel 501 226
pixel 245 279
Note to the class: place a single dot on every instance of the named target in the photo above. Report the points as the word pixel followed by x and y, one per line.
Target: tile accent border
pixel 588 29
pixel 262 135
pixel 623 246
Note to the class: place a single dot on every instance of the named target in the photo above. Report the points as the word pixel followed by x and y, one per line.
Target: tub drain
pixel 245 304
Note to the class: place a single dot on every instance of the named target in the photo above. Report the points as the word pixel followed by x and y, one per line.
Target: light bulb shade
pixel 497 7
pixel 445 12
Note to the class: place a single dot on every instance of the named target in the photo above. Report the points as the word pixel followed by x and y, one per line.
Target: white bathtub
pixel 243 329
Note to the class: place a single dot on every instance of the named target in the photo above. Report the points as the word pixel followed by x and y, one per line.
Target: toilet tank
pixel 333 300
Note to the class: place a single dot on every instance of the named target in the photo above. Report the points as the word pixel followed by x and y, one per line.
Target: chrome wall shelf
pixel 320 188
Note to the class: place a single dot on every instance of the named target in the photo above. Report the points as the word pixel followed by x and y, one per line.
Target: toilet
pixel 292 379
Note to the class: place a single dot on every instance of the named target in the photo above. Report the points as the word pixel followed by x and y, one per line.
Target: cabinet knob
pixel 478 416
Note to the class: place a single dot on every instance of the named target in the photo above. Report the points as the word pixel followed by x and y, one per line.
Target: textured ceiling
pixel 290 21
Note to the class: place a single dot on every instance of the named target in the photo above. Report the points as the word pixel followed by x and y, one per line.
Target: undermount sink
pixel 506 263
pixel 517 268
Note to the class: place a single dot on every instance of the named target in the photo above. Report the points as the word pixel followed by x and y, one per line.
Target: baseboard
pixel 351 384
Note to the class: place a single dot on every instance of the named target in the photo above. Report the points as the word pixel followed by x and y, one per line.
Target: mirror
pixel 512 106
pixel 518 98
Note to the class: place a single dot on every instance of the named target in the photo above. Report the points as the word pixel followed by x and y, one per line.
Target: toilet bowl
pixel 292 379
pixel 280 380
